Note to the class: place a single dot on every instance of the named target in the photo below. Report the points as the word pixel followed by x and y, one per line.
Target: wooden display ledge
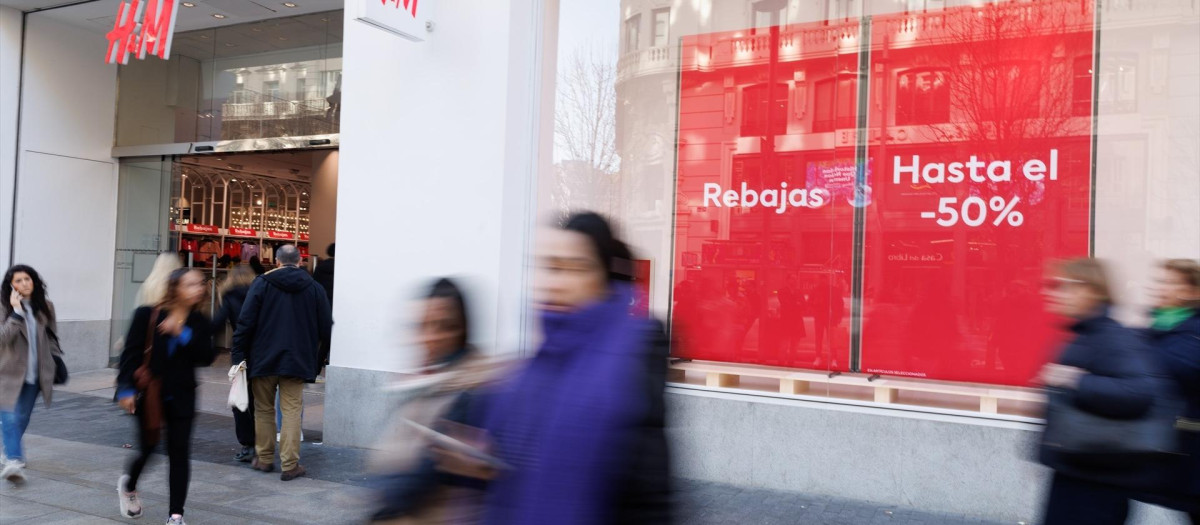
pixel 886 389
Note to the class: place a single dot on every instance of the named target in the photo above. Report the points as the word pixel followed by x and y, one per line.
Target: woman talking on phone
pixel 27 350
pixel 157 383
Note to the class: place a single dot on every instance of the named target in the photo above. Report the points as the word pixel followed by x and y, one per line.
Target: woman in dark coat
pixel 233 294
pixel 182 341
pixel 581 426
pixel 1104 369
pixel 1174 337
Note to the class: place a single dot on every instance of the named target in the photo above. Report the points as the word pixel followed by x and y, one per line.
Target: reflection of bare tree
pixel 1005 89
pixel 585 134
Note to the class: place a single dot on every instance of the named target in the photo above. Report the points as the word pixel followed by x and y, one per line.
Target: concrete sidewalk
pixel 76 451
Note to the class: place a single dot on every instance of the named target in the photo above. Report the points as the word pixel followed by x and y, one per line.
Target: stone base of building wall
pixel 971 466
pixel 977 467
pixel 85 344
pixel 357 409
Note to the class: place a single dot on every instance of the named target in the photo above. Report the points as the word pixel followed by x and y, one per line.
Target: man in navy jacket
pixel 284 321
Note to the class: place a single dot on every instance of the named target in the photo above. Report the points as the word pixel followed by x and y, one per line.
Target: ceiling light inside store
pixel 218 16
pixel 188 4
pixel 289 4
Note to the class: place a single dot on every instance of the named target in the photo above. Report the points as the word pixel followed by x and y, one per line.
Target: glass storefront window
pixel 874 187
pixel 274 78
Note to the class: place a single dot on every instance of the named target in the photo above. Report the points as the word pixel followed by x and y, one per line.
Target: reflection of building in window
pixel 283 100
pixel 1116 84
pixel 662 26
pixel 1081 86
pixel 922 97
pixel 833 104
pixel 755 108
pixel 769 13
pixel 632 32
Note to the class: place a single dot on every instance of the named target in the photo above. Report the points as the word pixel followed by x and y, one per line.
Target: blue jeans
pixel 14 423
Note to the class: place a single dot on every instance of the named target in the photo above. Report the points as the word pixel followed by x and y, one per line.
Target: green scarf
pixel 1168 318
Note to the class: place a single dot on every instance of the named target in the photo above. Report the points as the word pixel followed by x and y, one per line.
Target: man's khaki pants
pixel 291 391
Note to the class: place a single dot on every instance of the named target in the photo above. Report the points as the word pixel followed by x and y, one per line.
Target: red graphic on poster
pixel 972 174
pixel 765 196
pixel 991 181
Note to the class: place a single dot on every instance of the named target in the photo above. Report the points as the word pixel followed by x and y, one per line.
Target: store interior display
pixel 227 209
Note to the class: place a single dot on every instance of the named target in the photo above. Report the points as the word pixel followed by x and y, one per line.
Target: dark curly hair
pixel 37 299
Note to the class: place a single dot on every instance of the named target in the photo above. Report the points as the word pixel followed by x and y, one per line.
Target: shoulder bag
pixel 150 411
pixel 1084 438
pixel 60 367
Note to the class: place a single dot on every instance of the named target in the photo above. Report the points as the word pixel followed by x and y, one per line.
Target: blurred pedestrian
pixel 1103 370
pixel 154 288
pixel 28 346
pixel 233 294
pixel 283 323
pixel 157 383
pixel 582 424
pixel 1174 337
pixel 323 274
pixel 412 487
pixel 257 265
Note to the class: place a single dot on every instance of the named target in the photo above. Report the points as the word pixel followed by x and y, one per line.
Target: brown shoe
pixel 256 465
pixel 289 475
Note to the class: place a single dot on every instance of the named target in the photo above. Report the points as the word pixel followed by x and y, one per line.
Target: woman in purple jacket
pixel 581 425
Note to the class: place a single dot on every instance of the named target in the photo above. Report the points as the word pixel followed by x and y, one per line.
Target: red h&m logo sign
pixel 141 25
pixel 405 3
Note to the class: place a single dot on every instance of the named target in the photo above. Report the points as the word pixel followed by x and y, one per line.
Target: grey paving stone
pixel 76 452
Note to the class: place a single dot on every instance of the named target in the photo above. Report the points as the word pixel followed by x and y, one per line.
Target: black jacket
pixel 283 324
pixel 231 308
pixel 178 370
pixel 323 274
pixel 1178 352
pixel 1121 383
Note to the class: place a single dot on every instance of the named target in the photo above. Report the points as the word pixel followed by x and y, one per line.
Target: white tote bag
pixel 239 396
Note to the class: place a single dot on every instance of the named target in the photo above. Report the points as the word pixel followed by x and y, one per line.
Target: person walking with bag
pixel 29 359
pixel 1102 377
pixel 283 323
pixel 157 383
pixel 1174 338
pixel 233 294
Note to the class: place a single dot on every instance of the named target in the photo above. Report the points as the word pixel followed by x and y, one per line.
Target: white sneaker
pixel 131 506
pixel 14 471
pixel 175 520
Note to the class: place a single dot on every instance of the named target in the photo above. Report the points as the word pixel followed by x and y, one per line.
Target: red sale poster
pixel 984 177
pixel 765 194
pixel 960 162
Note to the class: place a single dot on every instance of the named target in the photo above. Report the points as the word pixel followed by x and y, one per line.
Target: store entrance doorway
pixel 218 212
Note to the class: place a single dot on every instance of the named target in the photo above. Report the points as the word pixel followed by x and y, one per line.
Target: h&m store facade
pixel 844 207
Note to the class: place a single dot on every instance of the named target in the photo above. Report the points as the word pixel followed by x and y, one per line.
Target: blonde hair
pixel 154 288
pixel 240 275
pixel 1190 271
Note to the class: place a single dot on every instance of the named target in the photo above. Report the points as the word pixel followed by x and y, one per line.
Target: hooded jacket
pixel 283 323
